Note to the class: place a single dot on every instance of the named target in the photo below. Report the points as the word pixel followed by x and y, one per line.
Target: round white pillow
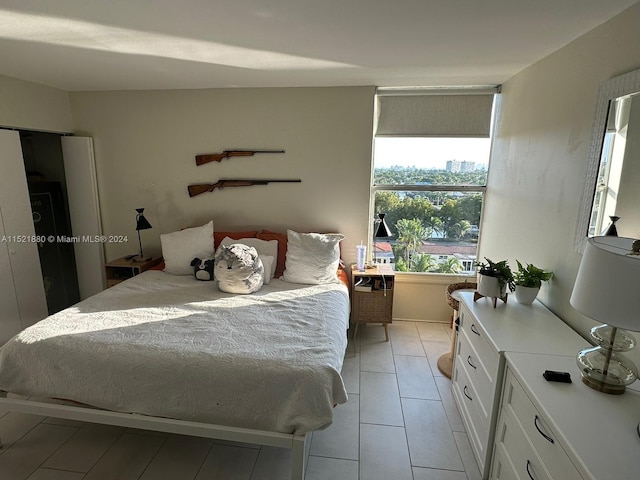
pixel 238 269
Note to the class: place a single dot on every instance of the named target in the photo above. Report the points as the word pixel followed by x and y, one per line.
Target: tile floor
pixel 400 423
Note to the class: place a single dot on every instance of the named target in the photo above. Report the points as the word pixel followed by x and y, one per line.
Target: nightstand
pixel 372 296
pixel 119 270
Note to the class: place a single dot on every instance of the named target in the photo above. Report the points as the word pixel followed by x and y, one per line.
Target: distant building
pixel 442 252
pixel 383 253
pixel 457 166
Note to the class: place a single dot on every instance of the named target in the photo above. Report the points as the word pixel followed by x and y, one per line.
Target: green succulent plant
pixel 531 276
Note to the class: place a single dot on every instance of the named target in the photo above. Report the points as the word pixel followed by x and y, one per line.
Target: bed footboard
pixel 297 443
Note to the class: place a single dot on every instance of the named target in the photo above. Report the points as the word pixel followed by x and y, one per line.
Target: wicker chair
pixel 445 362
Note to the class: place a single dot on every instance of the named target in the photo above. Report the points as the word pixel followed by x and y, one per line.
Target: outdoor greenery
pixel 417 216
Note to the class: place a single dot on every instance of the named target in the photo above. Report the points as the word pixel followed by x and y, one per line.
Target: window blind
pixel 434 115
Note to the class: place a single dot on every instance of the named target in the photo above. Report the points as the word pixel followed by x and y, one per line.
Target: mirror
pixel 613 169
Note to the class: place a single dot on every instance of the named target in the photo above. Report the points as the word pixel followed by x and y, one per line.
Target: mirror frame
pixel 611 89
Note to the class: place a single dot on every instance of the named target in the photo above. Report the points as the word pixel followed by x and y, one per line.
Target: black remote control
pixel 553 376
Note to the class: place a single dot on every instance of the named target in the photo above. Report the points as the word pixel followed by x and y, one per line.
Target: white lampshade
pixel 607 287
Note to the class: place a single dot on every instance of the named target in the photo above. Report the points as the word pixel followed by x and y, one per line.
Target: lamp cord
pixel 384 285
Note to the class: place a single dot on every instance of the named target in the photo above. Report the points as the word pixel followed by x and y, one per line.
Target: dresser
pixel 485 334
pixel 562 431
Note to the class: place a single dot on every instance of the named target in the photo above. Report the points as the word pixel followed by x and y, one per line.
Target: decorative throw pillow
pixel 202 268
pixel 312 258
pixel 263 247
pixel 238 269
pixel 181 247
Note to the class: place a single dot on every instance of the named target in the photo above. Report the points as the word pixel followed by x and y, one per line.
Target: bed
pixel 174 354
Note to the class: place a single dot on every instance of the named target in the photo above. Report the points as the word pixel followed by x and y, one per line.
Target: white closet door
pixel 23 259
pixel 84 209
pixel 9 313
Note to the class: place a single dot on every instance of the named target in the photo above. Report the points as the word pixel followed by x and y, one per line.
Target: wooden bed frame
pixel 297 443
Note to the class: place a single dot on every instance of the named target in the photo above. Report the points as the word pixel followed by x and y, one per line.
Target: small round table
pixel 445 362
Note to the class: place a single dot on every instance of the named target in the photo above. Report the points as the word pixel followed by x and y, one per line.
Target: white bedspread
pixel 177 347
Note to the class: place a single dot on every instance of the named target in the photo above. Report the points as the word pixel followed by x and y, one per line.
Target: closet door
pixel 9 313
pixel 84 209
pixel 18 254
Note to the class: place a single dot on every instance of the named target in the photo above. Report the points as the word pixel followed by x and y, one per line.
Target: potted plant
pixel 494 278
pixel 528 281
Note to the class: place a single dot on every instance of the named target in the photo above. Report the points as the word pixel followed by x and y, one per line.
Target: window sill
pixel 432 278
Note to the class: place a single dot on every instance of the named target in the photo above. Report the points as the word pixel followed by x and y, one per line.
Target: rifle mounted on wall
pixel 217 157
pixel 220 184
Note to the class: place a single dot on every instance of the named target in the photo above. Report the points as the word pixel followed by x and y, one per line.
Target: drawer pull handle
pixel 529 471
pixel 474 329
pixel 547 437
pixel 469 362
pixel 464 390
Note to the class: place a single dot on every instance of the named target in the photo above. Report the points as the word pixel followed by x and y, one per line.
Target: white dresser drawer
pixel 484 386
pixel 512 442
pixel 542 437
pixel 502 467
pixel 477 424
pixel 478 340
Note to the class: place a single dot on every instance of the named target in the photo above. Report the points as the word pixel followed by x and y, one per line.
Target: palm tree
pixel 423 262
pixel 450 265
pixel 411 234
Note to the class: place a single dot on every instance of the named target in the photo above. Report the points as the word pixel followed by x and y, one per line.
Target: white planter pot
pixel 526 295
pixel 489 287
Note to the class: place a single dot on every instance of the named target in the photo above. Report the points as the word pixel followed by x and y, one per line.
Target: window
pixel 430 184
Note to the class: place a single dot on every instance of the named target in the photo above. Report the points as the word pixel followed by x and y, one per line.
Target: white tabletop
pixel 513 327
pixel 599 431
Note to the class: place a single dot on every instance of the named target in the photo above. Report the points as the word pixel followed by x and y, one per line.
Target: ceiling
pixel 161 44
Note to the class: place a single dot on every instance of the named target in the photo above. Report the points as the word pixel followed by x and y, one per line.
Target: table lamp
pixel 606 290
pixel 381 231
pixel 141 224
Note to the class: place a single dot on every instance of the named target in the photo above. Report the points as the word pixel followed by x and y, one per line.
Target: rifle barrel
pixel 200 188
pixel 260 181
pixel 246 150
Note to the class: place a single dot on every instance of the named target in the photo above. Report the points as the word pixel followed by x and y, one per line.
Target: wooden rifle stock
pixel 217 157
pixel 201 188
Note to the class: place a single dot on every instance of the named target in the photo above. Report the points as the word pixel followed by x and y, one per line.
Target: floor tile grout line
pixel 164 441
pixel 6 448
pixel 62 444
pixel 105 452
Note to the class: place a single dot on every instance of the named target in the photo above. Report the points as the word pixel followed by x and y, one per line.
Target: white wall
pixel 541 151
pixel 33 107
pixel 146 142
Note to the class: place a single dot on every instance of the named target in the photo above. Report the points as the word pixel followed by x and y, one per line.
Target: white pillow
pixel 264 247
pixel 238 269
pixel 312 258
pixel 267 263
pixel 181 247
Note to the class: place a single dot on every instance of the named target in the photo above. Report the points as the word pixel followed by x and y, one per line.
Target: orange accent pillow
pixel 159 266
pixel 219 236
pixel 343 276
pixel 282 249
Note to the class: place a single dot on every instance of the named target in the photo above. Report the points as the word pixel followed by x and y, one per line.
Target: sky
pixel 429 152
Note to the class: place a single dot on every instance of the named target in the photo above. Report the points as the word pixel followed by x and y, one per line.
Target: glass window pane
pixel 431 161
pixel 431 231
